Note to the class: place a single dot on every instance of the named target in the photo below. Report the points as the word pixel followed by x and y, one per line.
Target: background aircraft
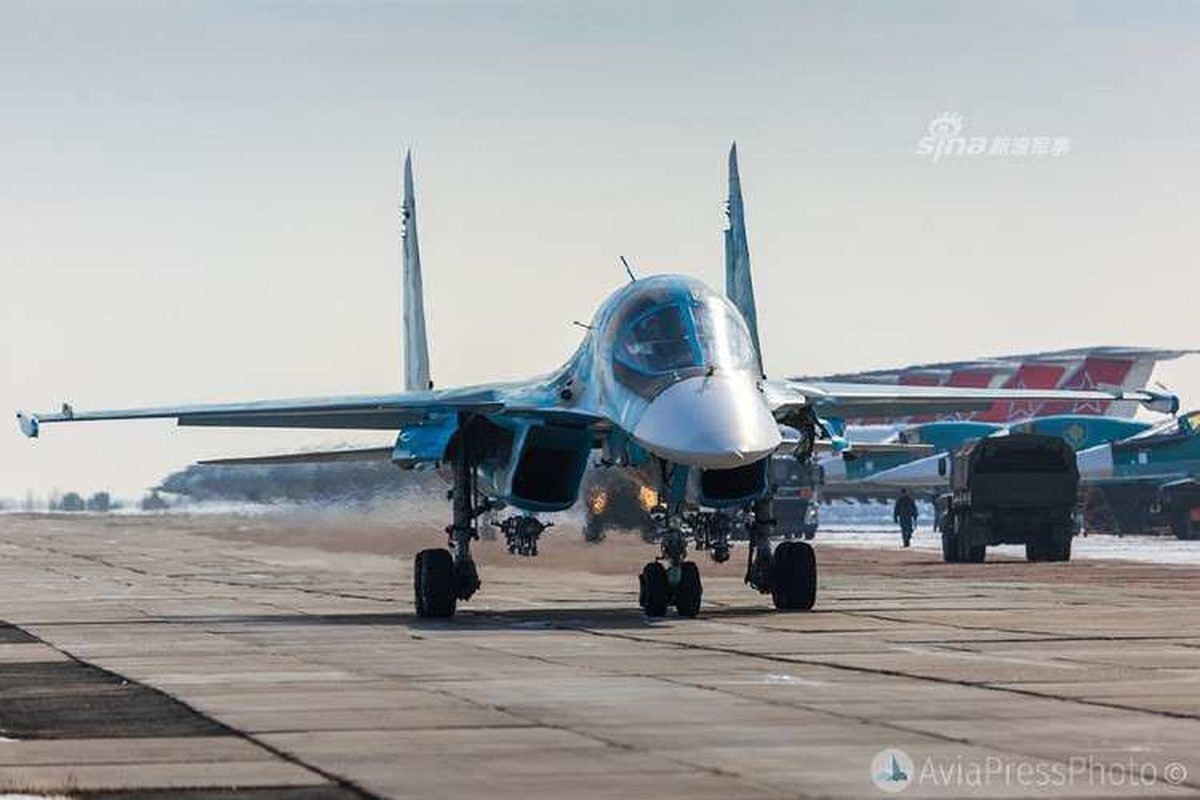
pixel 1077 368
pixel 882 455
pixel 906 457
pixel 918 459
pixel 1147 480
pixel 1135 475
pixel 668 382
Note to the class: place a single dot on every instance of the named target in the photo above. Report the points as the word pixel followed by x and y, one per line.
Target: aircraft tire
pixel 434 584
pixel 794 579
pixel 974 555
pixel 654 590
pixel 689 590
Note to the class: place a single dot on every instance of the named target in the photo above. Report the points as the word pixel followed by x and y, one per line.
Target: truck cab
pixel 1013 489
pixel 797 487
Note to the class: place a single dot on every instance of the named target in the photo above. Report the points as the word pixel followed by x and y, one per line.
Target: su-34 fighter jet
pixel 668 381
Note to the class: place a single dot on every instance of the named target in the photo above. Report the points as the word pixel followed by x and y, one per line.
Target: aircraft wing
pixel 1161 479
pixel 855 449
pixel 364 412
pixel 847 400
pixel 922 473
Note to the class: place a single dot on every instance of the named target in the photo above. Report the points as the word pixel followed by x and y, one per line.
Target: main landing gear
pixel 442 577
pixel 789 574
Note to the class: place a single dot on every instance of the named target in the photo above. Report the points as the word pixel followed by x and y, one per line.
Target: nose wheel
pixel 654 590
pixel 689 590
pixel 657 592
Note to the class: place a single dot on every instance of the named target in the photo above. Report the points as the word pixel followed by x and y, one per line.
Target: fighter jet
pixel 1150 478
pixel 1077 368
pixel 1135 475
pixel 668 381
pixel 876 458
pixel 915 457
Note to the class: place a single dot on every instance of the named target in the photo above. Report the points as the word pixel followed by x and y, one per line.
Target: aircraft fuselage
pixel 669 363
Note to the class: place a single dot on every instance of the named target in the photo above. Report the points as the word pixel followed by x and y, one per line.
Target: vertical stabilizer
pixel 739 286
pixel 416 346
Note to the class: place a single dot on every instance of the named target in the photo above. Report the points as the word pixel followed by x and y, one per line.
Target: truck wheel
pixel 1182 525
pixel 1059 550
pixel 969 553
pixel 949 549
pixel 973 555
pixel 965 552
pixel 1048 550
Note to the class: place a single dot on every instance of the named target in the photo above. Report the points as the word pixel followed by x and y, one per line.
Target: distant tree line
pixel 100 502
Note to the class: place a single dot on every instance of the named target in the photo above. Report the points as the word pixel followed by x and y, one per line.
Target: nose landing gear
pixel 676 584
pixel 657 592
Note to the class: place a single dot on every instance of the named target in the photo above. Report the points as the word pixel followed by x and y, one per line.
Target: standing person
pixel 941 512
pixel 905 513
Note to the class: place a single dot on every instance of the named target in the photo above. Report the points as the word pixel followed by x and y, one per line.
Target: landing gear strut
pixel 758 556
pixel 712 531
pixel 443 577
pixel 789 574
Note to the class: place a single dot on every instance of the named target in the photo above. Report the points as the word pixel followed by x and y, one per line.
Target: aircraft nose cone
pixel 714 422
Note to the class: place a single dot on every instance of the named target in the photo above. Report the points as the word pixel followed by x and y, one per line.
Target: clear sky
pixel 198 199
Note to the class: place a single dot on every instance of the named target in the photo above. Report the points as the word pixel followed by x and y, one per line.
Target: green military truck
pixel 1016 489
pixel 797 488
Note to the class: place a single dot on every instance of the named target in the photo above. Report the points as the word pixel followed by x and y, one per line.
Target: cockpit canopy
pixel 678 328
pixel 1182 425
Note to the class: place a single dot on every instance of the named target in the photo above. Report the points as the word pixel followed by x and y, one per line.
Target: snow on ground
pixel 1149 549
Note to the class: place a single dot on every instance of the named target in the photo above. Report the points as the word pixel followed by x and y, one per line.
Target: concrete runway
pixel 220 657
